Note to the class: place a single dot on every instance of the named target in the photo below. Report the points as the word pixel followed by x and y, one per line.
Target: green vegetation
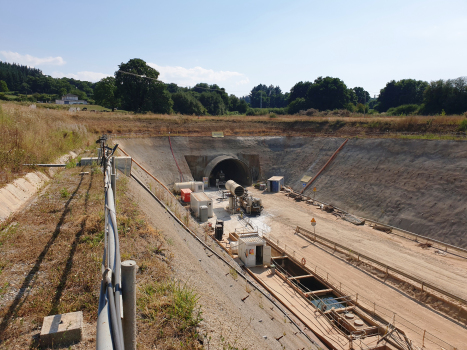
pixel 169 304
pixel 26 80
pixel 139 90
pixel 404 110
pixel 402 92
pixel 136 88
pixel 105 93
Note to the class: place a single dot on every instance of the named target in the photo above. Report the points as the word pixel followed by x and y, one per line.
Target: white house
pixel 70 99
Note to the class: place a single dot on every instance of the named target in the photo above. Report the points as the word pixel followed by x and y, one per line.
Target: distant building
pixel 70 99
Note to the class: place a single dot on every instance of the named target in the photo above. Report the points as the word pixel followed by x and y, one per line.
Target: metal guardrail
pixel 113 333
pixel 334 245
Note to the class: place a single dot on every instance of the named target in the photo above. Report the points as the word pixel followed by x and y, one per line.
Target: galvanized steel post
pixel 113 180
pixel 129 269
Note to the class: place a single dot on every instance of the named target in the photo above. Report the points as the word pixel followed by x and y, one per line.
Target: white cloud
pixel 191 76
pixel 84 75
pixel 28 60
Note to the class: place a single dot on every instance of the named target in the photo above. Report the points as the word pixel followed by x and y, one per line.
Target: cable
pixel 161 82
pixel 173 155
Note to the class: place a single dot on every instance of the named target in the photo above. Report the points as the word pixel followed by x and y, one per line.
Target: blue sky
pixel 240 44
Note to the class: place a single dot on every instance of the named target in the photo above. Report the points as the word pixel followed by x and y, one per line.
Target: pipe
pixel 324 167
pixel 47 165
pixel 234 188
pixel 173 155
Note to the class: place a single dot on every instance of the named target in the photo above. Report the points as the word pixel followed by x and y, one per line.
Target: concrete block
pixel 62 329
pixel 124 165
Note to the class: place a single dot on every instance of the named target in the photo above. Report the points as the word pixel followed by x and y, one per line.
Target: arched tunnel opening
pixel 233 169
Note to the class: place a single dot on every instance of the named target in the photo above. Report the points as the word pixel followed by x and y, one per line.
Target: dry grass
pixel 35 136
pixel 50 263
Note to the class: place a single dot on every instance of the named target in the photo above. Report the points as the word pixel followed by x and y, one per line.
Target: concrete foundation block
pixel 62 329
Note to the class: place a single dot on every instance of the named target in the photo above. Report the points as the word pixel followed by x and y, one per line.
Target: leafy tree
pixel 328 93
pixel 105 93
pixel 3 86
pixel 448 95
pixel 213 103
pixel 238 105
pixel 299 90
pixel 140 91
pixel 186 103
pixel 361 108
pixel 172 88
pixel 267 96
pixel 25 88
pixel 402 92
pixel 297 105
pixel 362 95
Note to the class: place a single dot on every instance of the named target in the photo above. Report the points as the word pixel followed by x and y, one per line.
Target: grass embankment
pixel 51 261
pixel 35 136
pixel 332 124
pixel 40 135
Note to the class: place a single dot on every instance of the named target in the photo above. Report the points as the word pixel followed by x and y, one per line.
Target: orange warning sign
pixel 314 189
pixel 313 222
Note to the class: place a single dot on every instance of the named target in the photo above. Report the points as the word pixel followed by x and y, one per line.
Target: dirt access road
pixel 448 272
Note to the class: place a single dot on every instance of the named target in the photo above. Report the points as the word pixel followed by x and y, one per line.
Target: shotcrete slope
pixel 416 185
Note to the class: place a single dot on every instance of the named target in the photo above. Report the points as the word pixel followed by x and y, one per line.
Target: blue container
pixel 275 186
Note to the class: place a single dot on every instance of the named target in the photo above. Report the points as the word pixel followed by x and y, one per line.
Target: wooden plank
pixel 319 292
pixel 299 277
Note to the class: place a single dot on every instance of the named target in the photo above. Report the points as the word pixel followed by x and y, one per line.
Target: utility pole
pixel 364 104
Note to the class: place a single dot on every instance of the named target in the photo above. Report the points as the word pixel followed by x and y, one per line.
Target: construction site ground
pixel 282 214
pixel 279 220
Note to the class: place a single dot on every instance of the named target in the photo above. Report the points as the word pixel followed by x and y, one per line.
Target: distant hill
pixel 28 80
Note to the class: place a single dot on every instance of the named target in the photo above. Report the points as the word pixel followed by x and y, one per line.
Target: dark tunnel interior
pixel 233 170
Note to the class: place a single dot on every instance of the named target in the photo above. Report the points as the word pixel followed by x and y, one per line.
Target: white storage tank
pixel 199 199
pixel 194 186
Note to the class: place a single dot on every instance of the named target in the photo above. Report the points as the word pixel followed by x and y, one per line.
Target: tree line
pixel 19 79
pixel 135 87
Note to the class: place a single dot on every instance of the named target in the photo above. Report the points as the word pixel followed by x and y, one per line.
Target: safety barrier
pixel 111 333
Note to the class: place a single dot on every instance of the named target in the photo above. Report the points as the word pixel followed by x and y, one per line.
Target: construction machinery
pixel 250 204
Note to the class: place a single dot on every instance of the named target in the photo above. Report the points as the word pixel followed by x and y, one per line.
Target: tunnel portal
pixel 234 169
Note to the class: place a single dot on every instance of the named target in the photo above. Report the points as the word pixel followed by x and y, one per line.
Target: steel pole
pixel 113 180
pixel 129 269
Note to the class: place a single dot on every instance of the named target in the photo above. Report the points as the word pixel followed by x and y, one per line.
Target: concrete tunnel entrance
pixel 233 168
